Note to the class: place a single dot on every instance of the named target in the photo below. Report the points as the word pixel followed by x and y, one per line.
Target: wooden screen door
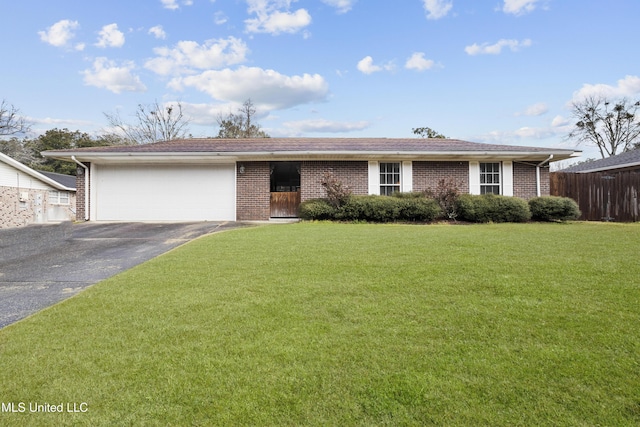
pixel 285 189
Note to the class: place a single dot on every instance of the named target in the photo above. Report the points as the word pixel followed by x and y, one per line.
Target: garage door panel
pixel 165 193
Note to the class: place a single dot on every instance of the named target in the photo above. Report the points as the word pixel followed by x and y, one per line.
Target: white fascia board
pixel 222 157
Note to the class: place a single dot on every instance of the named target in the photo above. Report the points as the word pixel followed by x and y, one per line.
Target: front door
pixel 285 189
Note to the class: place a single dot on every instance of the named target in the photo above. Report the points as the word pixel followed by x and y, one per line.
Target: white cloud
pixel 366 66
pixel 519 7
pixel 110 36
pixel 496 49
pixel 60 33
pixel 325 126
pixel 107 75
pixel 535 110
pixel 437 9
pixel 273 17
pixel 173 4
pixel 158 32
pixel 343 6
pixel 219 18
pixel 559 121
pixel 187 56
pixel 419 63
pixel 268 89
pixel 629 86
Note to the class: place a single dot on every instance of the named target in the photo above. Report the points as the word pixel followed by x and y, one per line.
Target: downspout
pixel 538 191
pixel 86 187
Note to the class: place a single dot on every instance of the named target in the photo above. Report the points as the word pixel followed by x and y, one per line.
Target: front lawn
pixel 339 324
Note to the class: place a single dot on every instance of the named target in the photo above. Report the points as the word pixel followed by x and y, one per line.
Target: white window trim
pixel 374 178
pixel 406 176
pixel 474 177
pixel 506 177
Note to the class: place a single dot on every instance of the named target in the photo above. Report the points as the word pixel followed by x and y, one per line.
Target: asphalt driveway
pixel 43 264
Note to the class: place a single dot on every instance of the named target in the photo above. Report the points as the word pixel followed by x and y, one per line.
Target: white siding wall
pixel 11 177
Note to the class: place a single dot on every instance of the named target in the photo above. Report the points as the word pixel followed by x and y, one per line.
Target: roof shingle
pixel 213 145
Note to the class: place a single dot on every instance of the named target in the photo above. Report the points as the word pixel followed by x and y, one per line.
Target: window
pixel 389 178
pixel 489 178
pixel 58 197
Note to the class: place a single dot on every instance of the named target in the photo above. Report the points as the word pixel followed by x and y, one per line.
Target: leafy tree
pixel 151 123
pixel 59 139
pixel 11 121
pixel 240 125
pixel 15 148
pixel 427 132
pixel 613 126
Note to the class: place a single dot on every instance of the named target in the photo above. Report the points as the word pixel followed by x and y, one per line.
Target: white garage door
pixel 165 193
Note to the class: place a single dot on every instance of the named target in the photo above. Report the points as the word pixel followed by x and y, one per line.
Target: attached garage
pixel 188 192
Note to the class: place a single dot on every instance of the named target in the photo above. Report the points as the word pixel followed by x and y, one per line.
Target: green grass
pixel 338 324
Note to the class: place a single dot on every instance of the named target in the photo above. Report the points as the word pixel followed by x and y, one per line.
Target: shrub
pixel 369 208
pixel 407 207
pixel 418 209
pixel 446 194
pixel 553 208
pixel 492 208
pixel 316 209
pixel 337 192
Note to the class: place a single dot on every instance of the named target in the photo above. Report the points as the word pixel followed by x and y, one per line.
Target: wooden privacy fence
pixel 602 196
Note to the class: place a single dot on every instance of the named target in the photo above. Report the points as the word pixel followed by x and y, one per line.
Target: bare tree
pixel 240 125
pixel 11 121
pixel 613 126
pixel 151 123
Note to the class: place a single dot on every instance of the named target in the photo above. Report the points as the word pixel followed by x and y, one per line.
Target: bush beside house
pixel 415 207
pixel 554 208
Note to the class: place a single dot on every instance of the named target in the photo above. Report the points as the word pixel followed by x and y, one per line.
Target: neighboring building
pixel 629 160
pixel 605 189
pixel 259 179
pixel 31 197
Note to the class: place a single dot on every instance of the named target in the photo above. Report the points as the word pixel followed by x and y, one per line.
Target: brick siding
pixel 80 207
pixel 253 186
pixel 524 180
pixel 253 195
pixel 14 213
pixel 354 175
pixel 427 174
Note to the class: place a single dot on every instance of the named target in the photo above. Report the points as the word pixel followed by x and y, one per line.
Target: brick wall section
pixel 427 174
pixel 524 181
pixel 354 174
pixel 253 195
pixel 14 213
pixel 80 207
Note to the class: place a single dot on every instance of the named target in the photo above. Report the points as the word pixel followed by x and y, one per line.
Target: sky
pixel 494 71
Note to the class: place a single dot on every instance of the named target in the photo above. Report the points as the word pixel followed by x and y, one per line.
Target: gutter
pixel 538 166
pixel 86 187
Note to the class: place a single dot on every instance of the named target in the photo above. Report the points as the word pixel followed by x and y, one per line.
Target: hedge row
pixel 373 209
pixel 416 207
